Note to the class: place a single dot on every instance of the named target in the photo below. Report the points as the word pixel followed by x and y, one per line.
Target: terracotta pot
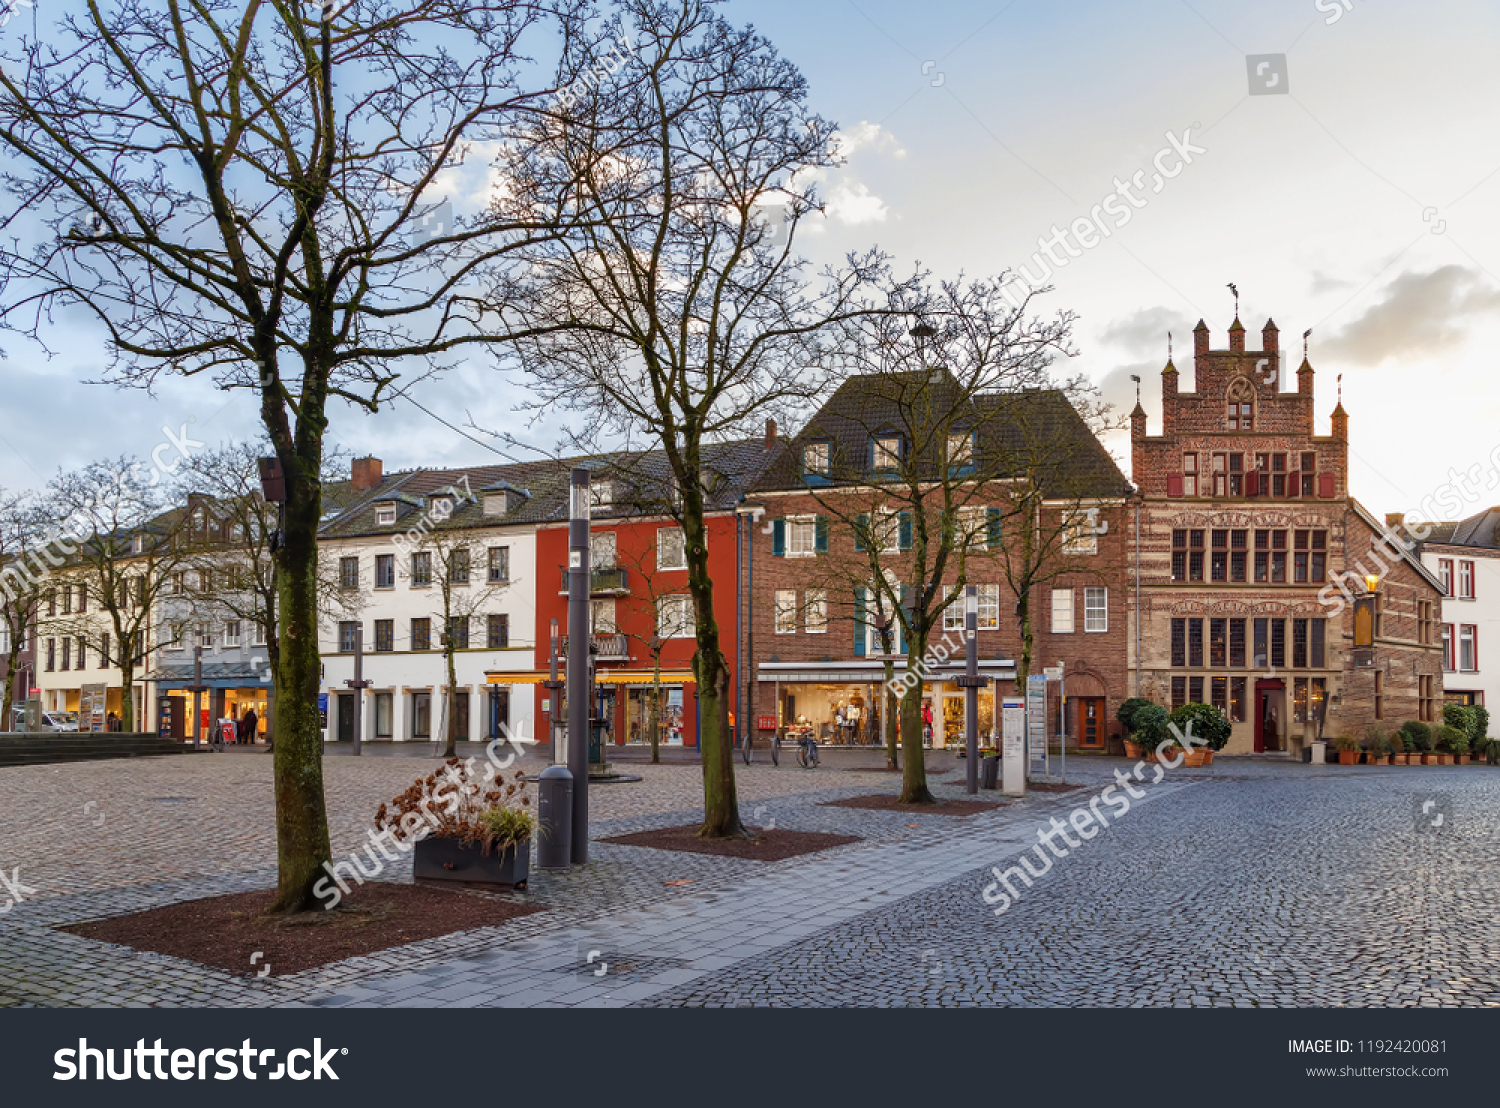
pixel 1196 758
pixel 1429 759
pixel 1398 759
pixel 1132 749
pixel 1463 759
pixel 1208 757
pixel 1445 759
pixel 1348 757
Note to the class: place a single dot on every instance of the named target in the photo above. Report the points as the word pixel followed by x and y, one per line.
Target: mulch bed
pixel 885 803
pixel 224 931
pixel 763 846
pixel 1049 787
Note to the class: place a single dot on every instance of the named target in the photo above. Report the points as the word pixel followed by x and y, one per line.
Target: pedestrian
pixel 111 723
pixel 249 726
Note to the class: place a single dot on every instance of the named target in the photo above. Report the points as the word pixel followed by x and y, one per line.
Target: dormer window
pixel 385 514
pixel 886 452
pixel 960 450
pixel 816 458
pixel 1241 402
pixel 601 494
pixel 442 507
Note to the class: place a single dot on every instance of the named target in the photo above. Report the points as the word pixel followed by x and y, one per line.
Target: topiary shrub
pixel 1207 722
pixel 1151 728
pixel 1480 732
pixel 1460 716
pixel 1125 713
pixel 1417 735
pixel 1453 739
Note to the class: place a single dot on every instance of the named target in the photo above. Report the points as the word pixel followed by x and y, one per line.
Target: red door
pixel 1091 722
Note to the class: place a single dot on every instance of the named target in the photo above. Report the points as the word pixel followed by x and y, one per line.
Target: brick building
pixel 813 643
pixel 1251 552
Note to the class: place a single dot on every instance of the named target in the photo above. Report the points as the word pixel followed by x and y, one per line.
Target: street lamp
pixel 578 658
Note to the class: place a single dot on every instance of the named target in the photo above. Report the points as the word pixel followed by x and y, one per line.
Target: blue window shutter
pixel 993 517
pixel 905 530
pixel 861 524
pixel 820 535
pixel 778 537
pixel 859 622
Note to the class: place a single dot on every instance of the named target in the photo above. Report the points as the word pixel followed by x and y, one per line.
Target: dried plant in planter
pixel 452 804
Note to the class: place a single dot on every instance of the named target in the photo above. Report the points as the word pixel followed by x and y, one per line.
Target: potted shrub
pixel 1126 714
pixel 1399 746
pixel 472 830
pixel 1452 742
pixel 1378 753
pixel 1203 721
pixel 1151 730
pixel 1348 748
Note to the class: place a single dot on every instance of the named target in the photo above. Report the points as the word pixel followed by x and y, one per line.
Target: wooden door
pixel 1091 722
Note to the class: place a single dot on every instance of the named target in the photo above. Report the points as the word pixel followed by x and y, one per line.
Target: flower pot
pixel 1445 759
pixel 1132 749
pixel 1429 759
pixel 1195 758
pixel 1208 757
pixel 1398 759
pixel 1463 759
pixel 1348 757
pixel 444 859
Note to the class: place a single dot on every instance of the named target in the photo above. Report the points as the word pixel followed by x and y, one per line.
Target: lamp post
pixel 557 735
pixel 578 659
pixel 359 685
pixel 971 682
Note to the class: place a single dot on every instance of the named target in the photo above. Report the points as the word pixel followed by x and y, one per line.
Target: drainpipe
pixel 1137 598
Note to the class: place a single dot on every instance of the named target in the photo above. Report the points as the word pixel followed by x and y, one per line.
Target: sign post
pixel 359 685
pixel 1013 746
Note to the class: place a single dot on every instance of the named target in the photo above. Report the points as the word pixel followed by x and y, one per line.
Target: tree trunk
pixel 914 780
pixel 451 749
pixel 301 811
pixel 1028 642
pixel 656 708
pixel 890 711
pixel 127 682
pixel 721 809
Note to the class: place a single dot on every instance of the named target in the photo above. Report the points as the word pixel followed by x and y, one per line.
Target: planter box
pixel 441 859
pixel 1445 759
pixel 1195 758
pixel 1348 757
pixel 1463 759
pixel 1398 759
pixel 1132 749
pixel 1429 759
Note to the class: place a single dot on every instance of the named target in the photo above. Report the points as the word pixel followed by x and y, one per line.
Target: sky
pixel 1344 175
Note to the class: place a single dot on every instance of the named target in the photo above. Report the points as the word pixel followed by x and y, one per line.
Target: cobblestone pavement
pixel 1247 883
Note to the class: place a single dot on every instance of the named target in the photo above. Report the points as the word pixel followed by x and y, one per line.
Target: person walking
pixel 249 725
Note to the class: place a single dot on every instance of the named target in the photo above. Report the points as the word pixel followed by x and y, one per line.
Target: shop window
pixel 383 715
pixel 421 715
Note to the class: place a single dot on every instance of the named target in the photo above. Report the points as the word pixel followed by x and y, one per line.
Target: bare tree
pixel 24 536
pixel 243 192
pixel 692 316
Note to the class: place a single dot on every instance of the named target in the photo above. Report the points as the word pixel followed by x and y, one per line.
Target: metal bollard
pixel 554 811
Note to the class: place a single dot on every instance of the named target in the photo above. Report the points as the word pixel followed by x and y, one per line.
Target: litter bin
pixel 989 772
pixel 554 813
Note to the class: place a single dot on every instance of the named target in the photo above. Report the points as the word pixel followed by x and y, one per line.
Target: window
pixel 1219 558
pixel 886 531
pixel 816 611
pixel 960 450
pixel 499 565
pixel 989 607
pixel 1278 644
pixel 385 571
pixel 602 550
pixel 1447 647
pixel 1095 609
pixel 1299 644
pixel 1241 400
pixel 257 634
pixel 421 569
pixel 1218 643
pixel 674 617
pixel 51 654
pixel 1081 533
pixel 51 602
pixel 1379 695
pixel 786 611
pixel 1278 557
pixel 671 548
pixel 385 515
pixel 1424 622
pixel 1220 695
pixel 1237 699
pixel 232 634
pixel 67 653
pixel 953 614
pixel 498 632
pixel 1195 644
pixel 1445 575
pixel 458 632
pixel 421 634
pixel 886 453
pixel 1426 702
pixel 1187 555
pixel 601 494
pixel 1466 580
pixel 348 573
pixel 1468 648
pixel 205 636
pixel 801 537
pixel 1179 692
pixel 385 635
pixel 83 599
pixel 602 617
pixel 974 527
pixel 1237 555
pixel 383 715
pixel 348 632
pixel 1237 643
pixel 1062 611
pixel 421 715
pixel 1190 475
pixel 104 649
pixel 67 601
pixel 815 458
pixel 458 566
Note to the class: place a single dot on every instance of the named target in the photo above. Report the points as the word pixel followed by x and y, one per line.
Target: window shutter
pixel 1174 484
pixel 820 535
pixel 859 622
pixel 1293 485
pixel 993 517
pixel 778 537
pixel 905 530
pixel 1252 483
pixel 1325 486
pixel 861 524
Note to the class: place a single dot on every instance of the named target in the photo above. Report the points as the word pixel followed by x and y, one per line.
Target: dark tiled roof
pixel 1482 529
pixel 1037 431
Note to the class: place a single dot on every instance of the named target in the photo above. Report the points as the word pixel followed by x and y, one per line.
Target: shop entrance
pixel 1269 705
pixel 346 717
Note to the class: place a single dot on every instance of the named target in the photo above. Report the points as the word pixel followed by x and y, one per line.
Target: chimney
pixel 1395 520
pixel 365 474
pixel 770 433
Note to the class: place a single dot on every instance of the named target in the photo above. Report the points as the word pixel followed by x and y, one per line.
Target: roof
pixel 1481 529
pixel 1410 557
pixel 1036 431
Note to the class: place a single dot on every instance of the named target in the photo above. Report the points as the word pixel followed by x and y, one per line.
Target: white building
pixel 393 543
pixel 1465 557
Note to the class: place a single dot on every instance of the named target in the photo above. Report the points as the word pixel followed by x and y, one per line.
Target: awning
pixel 872 673
pixel 601 677
pixel 528 678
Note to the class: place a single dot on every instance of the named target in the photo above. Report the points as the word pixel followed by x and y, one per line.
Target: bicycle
pixel 746 750
pixel 807 752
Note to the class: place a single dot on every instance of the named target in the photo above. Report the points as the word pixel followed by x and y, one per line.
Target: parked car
pixel 51 721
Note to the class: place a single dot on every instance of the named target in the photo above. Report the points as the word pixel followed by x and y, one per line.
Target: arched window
pixel 1241 405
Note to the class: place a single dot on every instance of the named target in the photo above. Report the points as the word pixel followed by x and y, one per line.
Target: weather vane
pixel 1236 299
pixel 1169 346
pixel 1137 381
pixel 1304 343
pixel 1341 388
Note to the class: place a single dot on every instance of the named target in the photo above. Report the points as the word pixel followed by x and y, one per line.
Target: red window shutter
pixel 1325 486
pixel 1174 484
pixel 1293 485
pixel 1252 483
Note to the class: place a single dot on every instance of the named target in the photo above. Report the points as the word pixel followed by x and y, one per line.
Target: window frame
pixel 1100 610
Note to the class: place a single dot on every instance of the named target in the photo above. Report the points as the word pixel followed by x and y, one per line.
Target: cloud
pixel 1419 316
pixel 850 201
pixel 867 136
pixel 1143 333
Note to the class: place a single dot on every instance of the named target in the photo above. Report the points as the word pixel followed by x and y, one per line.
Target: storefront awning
pixel 527 678
pixel 872 673
pixel 601 677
